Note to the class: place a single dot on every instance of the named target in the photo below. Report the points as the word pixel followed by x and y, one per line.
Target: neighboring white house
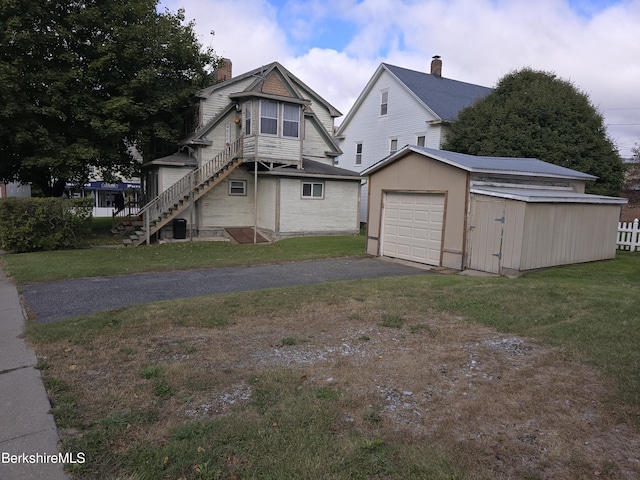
pixel 260 153
pixel 401 107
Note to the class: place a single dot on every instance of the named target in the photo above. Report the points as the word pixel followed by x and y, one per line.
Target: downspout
pixel 255 203
pixel 302 130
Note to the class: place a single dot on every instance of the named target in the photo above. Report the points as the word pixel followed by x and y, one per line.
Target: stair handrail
pixel 130 209
pixel 161 203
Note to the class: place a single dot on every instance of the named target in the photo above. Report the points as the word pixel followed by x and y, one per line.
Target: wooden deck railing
pixel 181 190
pixel 129 210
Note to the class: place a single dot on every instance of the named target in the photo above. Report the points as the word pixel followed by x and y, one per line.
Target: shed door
pixel 412 226
pixel 485 233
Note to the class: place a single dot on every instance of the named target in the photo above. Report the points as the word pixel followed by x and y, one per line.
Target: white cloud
pixel 594 46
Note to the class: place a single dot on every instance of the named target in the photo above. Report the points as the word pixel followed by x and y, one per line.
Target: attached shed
pixel 493 214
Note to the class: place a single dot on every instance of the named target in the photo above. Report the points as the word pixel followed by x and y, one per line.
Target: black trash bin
pixel 179 228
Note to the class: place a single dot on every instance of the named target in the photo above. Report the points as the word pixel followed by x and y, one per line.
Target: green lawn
pixel 590 311
pixel 91 262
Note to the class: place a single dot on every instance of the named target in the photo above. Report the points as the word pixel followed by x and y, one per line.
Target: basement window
pixel 238 187
pixel 312 190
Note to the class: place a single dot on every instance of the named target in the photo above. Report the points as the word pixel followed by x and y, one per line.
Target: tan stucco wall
pixel 417 173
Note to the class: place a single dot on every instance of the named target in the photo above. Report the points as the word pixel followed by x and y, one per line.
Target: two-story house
pixel 260 154
pixel 401 107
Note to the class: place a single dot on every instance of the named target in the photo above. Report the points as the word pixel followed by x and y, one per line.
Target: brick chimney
pixel 223 72
pixel 436 66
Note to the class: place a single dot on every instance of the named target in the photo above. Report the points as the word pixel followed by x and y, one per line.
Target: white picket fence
pixel 629 236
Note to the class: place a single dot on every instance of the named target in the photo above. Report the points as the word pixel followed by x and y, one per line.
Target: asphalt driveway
pixel 52 301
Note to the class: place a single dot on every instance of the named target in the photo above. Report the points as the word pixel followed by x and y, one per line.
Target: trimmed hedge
pixel 32 224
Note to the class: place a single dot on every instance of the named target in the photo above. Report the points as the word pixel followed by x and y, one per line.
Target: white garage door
pixel 412 226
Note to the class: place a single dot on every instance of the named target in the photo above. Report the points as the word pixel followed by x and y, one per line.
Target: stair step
pixel 127 242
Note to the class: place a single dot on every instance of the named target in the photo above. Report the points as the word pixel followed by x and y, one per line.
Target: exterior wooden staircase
pixel 184 193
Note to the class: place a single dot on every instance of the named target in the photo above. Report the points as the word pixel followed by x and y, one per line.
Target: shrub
pixel 32 224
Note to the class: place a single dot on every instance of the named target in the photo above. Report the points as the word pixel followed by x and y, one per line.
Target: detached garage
pixel 500 215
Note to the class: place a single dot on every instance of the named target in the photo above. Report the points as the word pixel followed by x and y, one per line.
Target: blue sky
pixel 334 46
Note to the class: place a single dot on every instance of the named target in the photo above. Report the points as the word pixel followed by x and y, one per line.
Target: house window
pixel 247 121
pixel 268 117
pixel 421 140
pixel 290 120
pixel 312 190
pixel 358 153
pixel 384 103
pixel 394 146
pixel 238 187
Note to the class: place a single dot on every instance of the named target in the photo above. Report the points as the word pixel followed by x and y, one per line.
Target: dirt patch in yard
pixel 511 405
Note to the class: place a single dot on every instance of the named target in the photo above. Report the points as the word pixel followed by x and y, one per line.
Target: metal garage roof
pixel 495 165
pixel 540 195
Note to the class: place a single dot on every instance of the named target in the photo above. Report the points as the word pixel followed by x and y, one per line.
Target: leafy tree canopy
pixel 534 114
pixel 83 80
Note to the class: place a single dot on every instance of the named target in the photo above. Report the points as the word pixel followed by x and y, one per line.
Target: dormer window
pixel 290 120
pixel 268 117
pixel 279 119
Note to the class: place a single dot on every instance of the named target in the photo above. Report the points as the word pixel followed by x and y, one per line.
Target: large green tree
pixel 535 114
pixel 81 81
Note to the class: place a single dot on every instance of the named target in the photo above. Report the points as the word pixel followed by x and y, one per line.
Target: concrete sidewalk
pixel 28 435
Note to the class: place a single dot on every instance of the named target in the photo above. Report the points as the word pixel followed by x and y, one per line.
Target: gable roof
pixel 260 74
pixel 443 97
pixel 489 165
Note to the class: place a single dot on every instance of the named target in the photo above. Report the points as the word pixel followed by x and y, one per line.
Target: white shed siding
pixel 336 212
pixel 559 234
pixel 219 209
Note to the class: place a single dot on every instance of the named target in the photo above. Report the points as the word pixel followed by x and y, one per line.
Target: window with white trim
pixel 290 120
pixel 384 102
pixel 238 187
pixel 421 141
pixel 268 117
pixel 393 147
pixel 312 190
pixel 359 153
